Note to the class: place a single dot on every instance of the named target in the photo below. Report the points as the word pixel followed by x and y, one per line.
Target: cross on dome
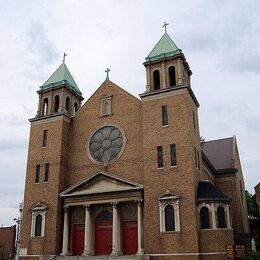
pixel 165 26
pixel 64 55
pixel 107 72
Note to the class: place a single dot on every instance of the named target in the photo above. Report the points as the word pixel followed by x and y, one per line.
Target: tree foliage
pixel 252 206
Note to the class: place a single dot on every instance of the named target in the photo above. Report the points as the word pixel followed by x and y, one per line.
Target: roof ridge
pixel 224 138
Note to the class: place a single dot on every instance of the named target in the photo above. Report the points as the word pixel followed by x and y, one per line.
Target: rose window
pixel 106 144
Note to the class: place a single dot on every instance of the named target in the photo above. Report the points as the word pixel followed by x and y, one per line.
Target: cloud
pixel 13 144
pixel 40 45
pixel 14 120
pixel 243 60
pixel 229 32
pixel 253 124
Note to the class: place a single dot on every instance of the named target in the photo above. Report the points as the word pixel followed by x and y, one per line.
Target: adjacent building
pixel 7 242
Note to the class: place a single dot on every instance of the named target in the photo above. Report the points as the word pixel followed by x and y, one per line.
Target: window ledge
pixel 37 183
pixel 170 232
pixel 174 167
pixel 45 182
pixel 37 237
pixel 105 115
pixel 215 229
pixel 165 126
pixel 44 147
pixel 160 168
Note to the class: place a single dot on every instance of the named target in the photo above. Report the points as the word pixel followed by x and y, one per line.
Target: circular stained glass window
pixel 106 144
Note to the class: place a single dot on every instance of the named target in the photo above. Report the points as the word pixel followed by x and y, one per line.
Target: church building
pixel 129 176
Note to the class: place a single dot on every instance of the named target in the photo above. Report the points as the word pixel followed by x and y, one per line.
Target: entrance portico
pixel 108 210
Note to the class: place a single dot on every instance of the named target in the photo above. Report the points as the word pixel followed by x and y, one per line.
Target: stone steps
pixel 107 257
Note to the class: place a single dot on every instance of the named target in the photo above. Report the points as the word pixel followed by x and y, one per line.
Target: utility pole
pixel 18 230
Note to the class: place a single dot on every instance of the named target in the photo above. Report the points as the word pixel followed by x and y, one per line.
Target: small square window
pixel 194 119
pixel 173 155
pixel 195 157
pixel 159 156
pixel 198 158
pixel 164 115
pixel 46 175
pixel 106 105
pixel 45 138
pixel 37 174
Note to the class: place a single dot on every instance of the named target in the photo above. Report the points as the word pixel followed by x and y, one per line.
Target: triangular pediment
pixel 100 182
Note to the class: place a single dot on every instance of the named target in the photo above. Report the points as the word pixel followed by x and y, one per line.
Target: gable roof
pixel 207 191
pixel 220 153
pixel 164 48
pixel 111 85
pixel 60 76
pixel 100 182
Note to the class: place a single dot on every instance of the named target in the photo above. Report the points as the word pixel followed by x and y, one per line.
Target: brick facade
pixel 140 120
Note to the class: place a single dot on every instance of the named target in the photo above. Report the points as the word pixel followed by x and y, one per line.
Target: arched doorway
pixel 103 233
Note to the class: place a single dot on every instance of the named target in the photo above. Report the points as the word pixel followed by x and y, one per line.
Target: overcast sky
pixel 220 39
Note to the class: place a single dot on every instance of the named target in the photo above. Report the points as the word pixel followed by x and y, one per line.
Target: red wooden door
pixel 103 237
pixel 78 239
pixel 130 237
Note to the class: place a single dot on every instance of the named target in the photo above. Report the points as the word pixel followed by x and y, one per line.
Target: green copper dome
pixel 163 49
pixel 61 76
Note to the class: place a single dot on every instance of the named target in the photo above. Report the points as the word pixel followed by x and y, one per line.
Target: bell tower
pixel 171 143
pixel 59 94
pixel 166 66
pixel 59 100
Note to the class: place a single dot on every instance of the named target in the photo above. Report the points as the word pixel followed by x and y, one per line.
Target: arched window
pixel 75 108
pixel 169 218
pixel 38 225
pixel 45 106
pixel 156 79
pixel 221 217
pixel 172 76
pixel 57 103
pixel 68 104
pixel 169 212
pixel 38 220
pixel 204 218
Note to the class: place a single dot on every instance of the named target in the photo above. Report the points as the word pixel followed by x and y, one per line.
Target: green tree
pixel 252 206
pixel 254 219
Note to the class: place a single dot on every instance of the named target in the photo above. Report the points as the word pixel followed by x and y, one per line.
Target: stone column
pixel 177 214
pixel 180 72
pixel 120 251
pixel 140 250
pixel 115 242
pixel 148 79
pixel 88 250
pixel 228 216
pixel 39 112
pixel 213 216
pixel 163 74
pixel 65 242
pixel 62 101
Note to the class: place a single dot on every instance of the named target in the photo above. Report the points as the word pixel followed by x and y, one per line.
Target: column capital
pixel 115 204
pixel 140 202
pixel 87 206
pixel 66 208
